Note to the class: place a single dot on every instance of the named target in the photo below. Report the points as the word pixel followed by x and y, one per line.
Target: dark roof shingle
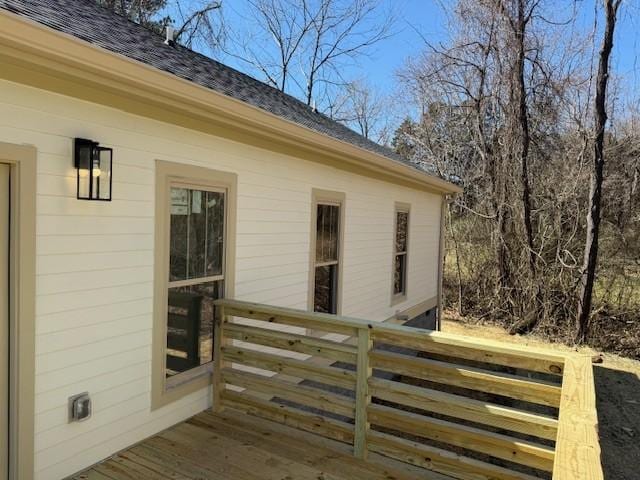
pixel 86 20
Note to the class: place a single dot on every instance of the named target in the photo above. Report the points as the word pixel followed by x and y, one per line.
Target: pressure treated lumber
pixel 292 342
pixel 363 397
pixel 439 460
pixel 577 445
pixel 471 438
pixel 577 456
pixel 535 391
pixel 488 351
pixel 464 408
pixel 296 393
pixel 295 318
pixel 291 366
pixel 286 415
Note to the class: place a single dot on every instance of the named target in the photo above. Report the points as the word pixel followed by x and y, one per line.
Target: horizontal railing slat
pixel 296 393
pixel 293 342
pixel 439 460
pixel 512 386
pixel 309 321
pixel 309 422
pixel 471 438
pixel 298 368
pixel 435 342
pixel 465 408
pixel 486 351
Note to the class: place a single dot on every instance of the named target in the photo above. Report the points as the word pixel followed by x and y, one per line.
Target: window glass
pixel 402 220
pixel 196 265
pixel 400 253
pixel 399 274
pixel 326 260
pixel 190 326
pixel 328 219
pixel 197 230
pixel 325 289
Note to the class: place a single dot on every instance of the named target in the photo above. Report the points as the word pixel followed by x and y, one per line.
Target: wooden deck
pixel 309 396
pixel 235 446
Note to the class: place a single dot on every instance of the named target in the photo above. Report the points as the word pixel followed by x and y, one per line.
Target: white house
pixel 205 183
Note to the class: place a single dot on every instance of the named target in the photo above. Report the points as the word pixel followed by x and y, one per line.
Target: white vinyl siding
pixel 95 260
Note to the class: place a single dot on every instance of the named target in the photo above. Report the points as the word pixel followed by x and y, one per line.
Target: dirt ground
pixel 618 398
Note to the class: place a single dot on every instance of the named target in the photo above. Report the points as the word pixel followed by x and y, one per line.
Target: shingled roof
pixel 88 21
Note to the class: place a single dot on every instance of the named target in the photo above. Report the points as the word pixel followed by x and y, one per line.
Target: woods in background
pixel 514 108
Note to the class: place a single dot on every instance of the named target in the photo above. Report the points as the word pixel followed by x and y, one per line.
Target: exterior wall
pixel 95 261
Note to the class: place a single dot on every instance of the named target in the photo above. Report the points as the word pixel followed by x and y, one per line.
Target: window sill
pixel 176 381
pixel 179 386
pixel 398 298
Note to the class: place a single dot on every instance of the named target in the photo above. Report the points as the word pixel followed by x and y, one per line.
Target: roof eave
pixel 28 42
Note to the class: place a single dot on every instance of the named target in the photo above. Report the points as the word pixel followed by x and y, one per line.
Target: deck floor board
pixel 235 446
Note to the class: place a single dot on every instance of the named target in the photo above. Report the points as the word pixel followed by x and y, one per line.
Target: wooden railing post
pixel 363 398
pixel 216 381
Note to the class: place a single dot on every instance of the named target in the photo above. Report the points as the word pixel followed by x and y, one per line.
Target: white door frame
pixel 22 281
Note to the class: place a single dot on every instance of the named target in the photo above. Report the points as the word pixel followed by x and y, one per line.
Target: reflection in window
pixel 326 258
pixel 400 253
pixel 196 279
pixel 197 230
pixel 190 326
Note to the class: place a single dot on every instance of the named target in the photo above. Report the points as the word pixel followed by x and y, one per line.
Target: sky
pixel 426 16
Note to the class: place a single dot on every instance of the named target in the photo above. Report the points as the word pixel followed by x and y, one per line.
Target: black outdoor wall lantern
pixel 94 165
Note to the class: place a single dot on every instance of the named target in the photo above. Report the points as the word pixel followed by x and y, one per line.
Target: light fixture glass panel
pixel 84 154
pixel 101 174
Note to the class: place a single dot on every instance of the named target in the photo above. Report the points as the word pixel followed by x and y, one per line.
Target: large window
pixel 326 255
pixel 195 219
pixel 196 275
pixel 400 249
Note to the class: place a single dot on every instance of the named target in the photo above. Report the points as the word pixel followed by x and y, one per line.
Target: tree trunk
pixel 522 120
pixel 588 273
pixel 457 254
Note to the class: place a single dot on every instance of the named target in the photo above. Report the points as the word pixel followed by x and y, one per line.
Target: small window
pixel 327 253
pixel 401 243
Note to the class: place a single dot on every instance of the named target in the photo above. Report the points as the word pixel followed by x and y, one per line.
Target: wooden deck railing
pixel 465 408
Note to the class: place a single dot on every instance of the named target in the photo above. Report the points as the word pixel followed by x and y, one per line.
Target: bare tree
pixel 300 46
pixel 282 23
pixel 590 262
pixel 145 12
pixel 198 23
pixel 365 110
